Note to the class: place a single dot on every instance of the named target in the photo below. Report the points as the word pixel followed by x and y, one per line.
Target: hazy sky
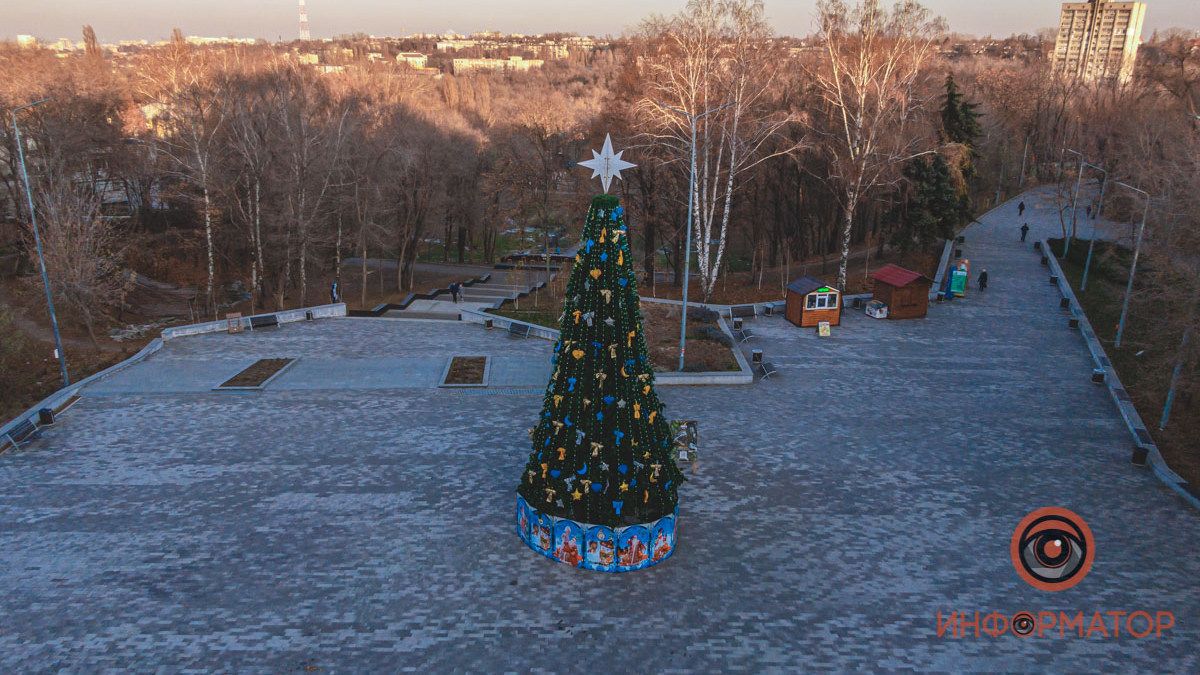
pixel 271 19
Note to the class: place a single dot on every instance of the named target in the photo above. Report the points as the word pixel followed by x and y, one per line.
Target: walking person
pixel 1024 232
pixel 333 293
pixel 983 280
pixel 454 291
pixel 1021 209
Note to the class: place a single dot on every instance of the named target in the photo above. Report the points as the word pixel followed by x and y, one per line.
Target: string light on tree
pixel 601 440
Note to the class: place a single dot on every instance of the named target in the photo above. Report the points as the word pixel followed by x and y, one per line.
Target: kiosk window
pixel 822 301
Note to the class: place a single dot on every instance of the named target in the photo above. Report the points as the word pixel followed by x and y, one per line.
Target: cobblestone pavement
pixel 836 509
pixel 1044 203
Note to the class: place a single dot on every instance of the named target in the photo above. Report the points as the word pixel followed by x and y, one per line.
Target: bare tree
pixel 91 45
pixel 311 128
pixel 82 250
pixel 716 57
pixel 189 112
pixel 870 76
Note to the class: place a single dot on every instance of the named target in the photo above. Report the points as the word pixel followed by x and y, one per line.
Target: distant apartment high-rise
pixel 304 34
pixel 1098 40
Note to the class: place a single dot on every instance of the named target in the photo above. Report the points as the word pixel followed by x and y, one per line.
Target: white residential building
pixel 413 59
pixel 1098 40
pixel 513 63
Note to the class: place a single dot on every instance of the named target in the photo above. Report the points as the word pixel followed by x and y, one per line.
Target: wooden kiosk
pixel 810 301
pixel 905 292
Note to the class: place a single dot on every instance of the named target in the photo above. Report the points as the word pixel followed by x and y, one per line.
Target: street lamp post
pixel 1178 370
pixel 37 242
pixel 692 119
pixel 1024 158
pixel 1095 217
pixel 1137 247
pixel 1074 201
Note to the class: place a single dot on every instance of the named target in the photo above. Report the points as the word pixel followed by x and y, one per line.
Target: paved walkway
pixel 1043 206
pixel 837 508
pixel 349 354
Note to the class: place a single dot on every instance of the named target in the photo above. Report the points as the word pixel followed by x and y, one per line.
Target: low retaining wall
pixel 473 316
pixel 943 264
pixel 1116 390
pixel 286 316
pixel 59 398
pixel 669 379
pixel 760 308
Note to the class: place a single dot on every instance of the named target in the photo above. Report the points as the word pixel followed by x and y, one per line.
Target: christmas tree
pixel 602 450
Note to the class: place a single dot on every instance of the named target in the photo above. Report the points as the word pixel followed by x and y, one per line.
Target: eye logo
pixel 1023 623
pixel 1052 549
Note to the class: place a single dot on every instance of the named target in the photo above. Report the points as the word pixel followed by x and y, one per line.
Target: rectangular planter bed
pixel 257 375
pixel 466 371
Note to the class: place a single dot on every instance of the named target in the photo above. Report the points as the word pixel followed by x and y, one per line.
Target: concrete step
pixel 499 287
pixel 409 314
pixel 487 294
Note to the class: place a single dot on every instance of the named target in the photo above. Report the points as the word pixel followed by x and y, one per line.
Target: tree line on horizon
pixel 215 165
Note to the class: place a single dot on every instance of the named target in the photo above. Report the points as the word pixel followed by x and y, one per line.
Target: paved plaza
pixel 353 517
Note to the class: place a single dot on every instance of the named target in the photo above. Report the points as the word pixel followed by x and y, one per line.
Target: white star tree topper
pixel 605 164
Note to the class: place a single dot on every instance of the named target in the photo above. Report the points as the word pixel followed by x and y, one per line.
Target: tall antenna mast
pixel 304 34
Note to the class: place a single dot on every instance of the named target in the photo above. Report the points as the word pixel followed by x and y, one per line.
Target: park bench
pixel 741 312
pixel 21 432
pixel 763 368
pixel 766 369
pixel 518 329
pixel 263 321
pixel 741 333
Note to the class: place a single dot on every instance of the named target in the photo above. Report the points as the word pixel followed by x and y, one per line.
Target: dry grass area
pixel 1147 356
pixel 707 349
pixel 257 373
pixel 29 370
pixel 466 370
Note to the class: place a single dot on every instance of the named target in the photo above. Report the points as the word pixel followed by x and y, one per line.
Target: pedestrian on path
pixel 1020 209
pixel 334 293
pixel 983 279
pixel 454 291
pixel 1024 232
pixel 1089 211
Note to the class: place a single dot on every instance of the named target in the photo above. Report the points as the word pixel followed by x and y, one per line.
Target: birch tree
pixel 250 156
pixel 188 109
pixel 716 57
pixel 311 130
pixel 869 77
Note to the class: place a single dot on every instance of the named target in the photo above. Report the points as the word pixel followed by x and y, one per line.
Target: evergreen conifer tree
pixel 932 206
pixel 602 449
pixel 960 125
pixel 960 119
